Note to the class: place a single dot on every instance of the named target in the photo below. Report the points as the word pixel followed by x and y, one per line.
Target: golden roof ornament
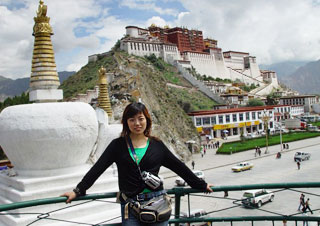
pixel 42 21
pixel 103 98
pixel 44 74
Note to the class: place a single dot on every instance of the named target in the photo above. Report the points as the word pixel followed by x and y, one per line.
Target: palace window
pixel 234 117
pixel 253 114
pixel 247 115
pixel 198 122
pixel 271 125
pixel 220 119
pixel 206 121
pixel 241 117
pixel 213 120
pixel 227 118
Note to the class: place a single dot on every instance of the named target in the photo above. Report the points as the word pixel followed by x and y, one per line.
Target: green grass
pixel 171 76
pixel 316 123
pixel 248 144
pixel 197 100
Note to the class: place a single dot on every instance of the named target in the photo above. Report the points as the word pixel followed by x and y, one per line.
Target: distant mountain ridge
pixel 301 76
pixel 283 69
pixel 10 87
pixel 306 79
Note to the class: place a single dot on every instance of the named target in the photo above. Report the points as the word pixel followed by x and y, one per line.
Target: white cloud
pixel 157 21
pixel 66 17
pixel 148 5
pixel 274 30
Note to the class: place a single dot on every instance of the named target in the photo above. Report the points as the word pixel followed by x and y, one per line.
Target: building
pixel 306 100
pixel 236 121
pixel 187 48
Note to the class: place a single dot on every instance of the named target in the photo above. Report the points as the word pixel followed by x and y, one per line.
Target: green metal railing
pixel 180 192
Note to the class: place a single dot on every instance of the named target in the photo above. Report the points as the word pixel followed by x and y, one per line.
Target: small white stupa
pixel 49 144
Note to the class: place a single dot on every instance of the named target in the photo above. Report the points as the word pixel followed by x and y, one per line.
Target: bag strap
pixel 133 153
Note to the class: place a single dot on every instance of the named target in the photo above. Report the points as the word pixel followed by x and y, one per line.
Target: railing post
pixel 177 200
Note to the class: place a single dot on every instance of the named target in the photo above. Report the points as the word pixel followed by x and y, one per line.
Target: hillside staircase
pixel 198 84
pixel 243 76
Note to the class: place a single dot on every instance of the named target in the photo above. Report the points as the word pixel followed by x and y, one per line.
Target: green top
pixel 140 152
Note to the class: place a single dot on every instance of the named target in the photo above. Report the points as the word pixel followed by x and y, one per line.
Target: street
pixel 267 169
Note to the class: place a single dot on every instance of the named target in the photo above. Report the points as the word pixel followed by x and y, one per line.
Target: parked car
pixel 301 156
pixel 198 173
pixel 242 166
pixel 257 197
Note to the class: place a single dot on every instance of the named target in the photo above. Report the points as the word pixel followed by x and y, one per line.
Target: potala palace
pixel 186 48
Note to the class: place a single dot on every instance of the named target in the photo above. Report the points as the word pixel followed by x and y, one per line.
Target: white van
pixel 257 197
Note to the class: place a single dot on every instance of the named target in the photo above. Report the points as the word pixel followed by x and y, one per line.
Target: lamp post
pixel 265 118
pixel 281 145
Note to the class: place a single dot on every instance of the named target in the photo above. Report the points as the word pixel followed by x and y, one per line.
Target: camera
pixel 151 180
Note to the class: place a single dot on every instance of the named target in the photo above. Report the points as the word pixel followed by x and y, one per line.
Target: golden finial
pixel 103 98
pixel 153 25
pixel 42 9
pixel 166 26
pixel 42 21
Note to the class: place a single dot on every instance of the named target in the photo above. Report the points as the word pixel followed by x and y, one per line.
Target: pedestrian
pixel 284 146
pixel 298 164
pixel 287 146
pixel 137 154
pixel 204 150
pixel 193 163
pixel 259 151
pixel 307 206
pixel 301 201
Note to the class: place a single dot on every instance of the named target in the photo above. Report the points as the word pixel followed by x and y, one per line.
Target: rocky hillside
pixel 163 90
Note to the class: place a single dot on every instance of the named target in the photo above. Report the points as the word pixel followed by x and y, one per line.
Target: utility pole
pixel 265 118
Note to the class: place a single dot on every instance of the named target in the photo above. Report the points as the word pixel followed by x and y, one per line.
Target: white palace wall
pixel 222 71
pixel 147 48
pixel 203 63
pixel 232 66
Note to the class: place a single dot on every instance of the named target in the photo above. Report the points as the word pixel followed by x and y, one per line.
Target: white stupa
pixel 49 144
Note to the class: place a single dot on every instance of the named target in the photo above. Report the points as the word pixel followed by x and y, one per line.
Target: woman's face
pixel 137 124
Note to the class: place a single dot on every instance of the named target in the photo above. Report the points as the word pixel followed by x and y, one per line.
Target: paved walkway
pixel 212 160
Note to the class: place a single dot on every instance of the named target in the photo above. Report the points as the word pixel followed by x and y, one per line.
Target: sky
pixel 274 30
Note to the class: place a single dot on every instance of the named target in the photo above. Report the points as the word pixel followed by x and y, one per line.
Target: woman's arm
pixel 174 164
pixel 105 160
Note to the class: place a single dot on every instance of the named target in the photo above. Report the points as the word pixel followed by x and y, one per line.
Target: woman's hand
pixel 208 189
pixel 70 195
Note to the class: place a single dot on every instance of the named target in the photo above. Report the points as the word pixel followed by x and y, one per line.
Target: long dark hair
pixel 130 111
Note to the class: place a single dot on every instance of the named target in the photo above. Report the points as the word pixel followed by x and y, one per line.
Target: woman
pixel 151 154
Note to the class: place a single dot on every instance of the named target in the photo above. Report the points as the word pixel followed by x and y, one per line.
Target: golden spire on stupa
pixel 44 74
pixel 103 98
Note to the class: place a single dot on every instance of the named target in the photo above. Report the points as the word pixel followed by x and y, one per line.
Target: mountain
pixel 283 69
pixel 167 95
pixel 11 88
pixel 306 79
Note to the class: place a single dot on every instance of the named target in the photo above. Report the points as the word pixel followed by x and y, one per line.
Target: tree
pixel 272 99
pixel 255 102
